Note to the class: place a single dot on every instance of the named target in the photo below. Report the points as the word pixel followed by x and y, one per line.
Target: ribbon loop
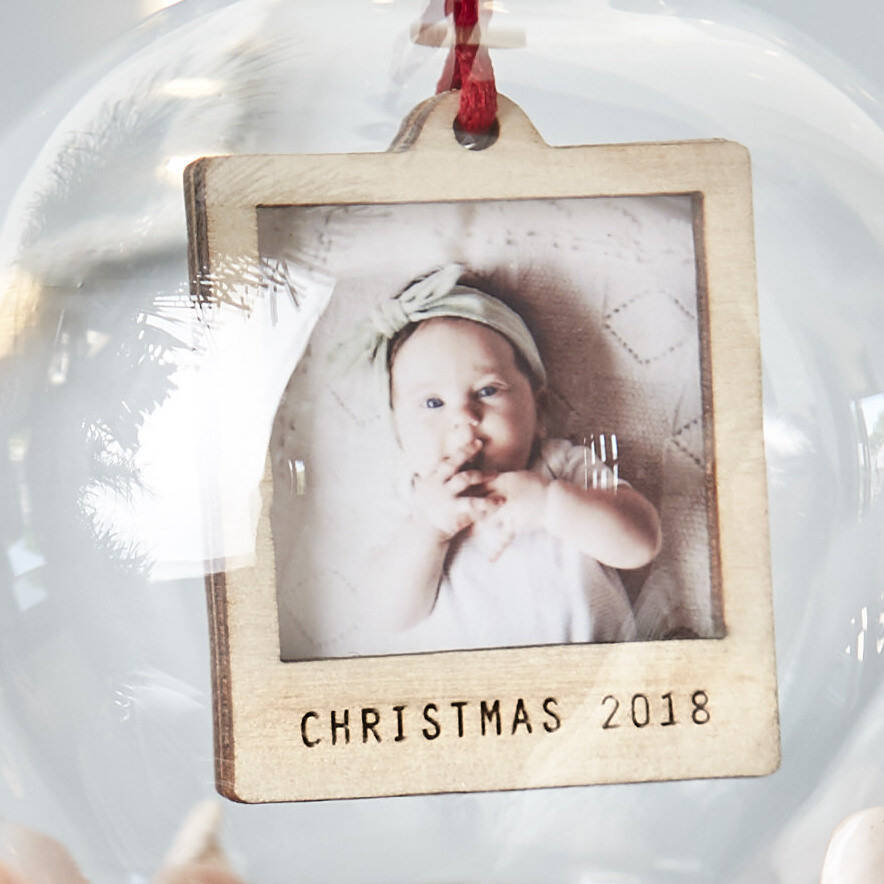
pixel 468 68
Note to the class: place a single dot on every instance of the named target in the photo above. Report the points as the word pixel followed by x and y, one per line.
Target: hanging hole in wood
pixel 476 140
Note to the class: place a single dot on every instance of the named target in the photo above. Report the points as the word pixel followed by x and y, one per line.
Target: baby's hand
pixel 521 499
pixel 437 495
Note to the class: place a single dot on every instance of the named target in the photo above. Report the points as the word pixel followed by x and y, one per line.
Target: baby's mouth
pixel 474 463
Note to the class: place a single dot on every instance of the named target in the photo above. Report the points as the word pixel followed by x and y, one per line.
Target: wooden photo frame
pixel 307 708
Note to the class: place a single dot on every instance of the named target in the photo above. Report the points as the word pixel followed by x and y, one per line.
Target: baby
pixel 505 540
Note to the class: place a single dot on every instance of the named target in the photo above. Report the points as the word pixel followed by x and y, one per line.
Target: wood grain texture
pixel 428 722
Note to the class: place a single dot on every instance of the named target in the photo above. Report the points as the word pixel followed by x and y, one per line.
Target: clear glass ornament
pixel 105 715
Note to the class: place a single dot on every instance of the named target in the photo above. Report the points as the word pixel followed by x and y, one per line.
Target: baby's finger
pixel 502 483
pixel 463 515
pixel 457 458
pixel 460 482
pixel 470 509
pixel 485 507
pixel 440 473
pixel 444 470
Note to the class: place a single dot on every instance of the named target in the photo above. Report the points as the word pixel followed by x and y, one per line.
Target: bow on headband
pixel 439 295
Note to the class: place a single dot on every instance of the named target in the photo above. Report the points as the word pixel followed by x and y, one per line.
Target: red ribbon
pixel 468 68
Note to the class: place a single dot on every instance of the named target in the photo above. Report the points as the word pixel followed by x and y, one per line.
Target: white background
pixel 41 41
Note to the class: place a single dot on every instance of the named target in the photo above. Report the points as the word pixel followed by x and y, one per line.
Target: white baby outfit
pixel 540 590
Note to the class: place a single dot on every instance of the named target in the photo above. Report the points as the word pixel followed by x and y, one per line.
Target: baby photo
pixel 496 434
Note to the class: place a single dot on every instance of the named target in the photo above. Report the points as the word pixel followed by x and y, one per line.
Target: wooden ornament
pixel 507 717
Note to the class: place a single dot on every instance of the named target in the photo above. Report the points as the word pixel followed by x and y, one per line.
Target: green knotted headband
pixel 439 295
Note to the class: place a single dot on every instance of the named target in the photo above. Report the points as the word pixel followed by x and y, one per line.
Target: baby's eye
pixel 433 402
pixel 488 390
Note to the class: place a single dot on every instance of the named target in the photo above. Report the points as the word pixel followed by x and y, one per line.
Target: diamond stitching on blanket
pixel 688 439
pixel 650 326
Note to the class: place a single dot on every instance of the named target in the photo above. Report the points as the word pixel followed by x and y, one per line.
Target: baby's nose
pixel 459 440
pixel 465 423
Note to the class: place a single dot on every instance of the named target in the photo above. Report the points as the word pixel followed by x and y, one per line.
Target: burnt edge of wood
pixel 413 124
pixel 711 467
pixel 222 715
pixel 216 586
pixel 197 233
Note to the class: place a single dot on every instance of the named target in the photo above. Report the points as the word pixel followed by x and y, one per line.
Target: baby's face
pixel 454 381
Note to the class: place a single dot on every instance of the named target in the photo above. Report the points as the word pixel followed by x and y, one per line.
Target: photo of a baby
pixel 511 536
pixel 495 437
